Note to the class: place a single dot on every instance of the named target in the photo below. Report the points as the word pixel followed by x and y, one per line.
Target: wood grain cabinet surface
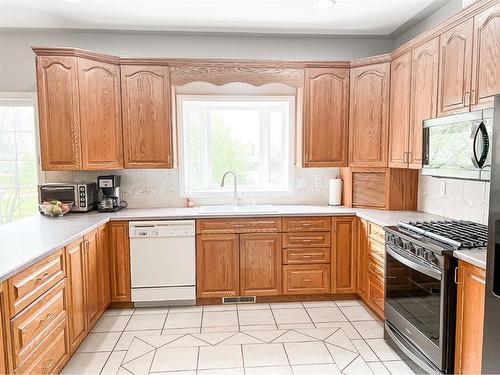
pixel 120 262
pixel 326 114
pixel 260 264
pixel 455 69
pixel 486 58
pixel 100 115
pixel 92 288
pixel 363 251
pixel 344 255
pixel 399 128
pixel 470 318
pixel 4 330
pixel 103 269
pixel 306 279
pixel 369 115
pixel 59 112
pixel 424 86
pixel 147 120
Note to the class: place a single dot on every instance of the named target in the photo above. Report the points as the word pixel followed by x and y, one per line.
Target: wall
pixel 456 199
pixel 17 61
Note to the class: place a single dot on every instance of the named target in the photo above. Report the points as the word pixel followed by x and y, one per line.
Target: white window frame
pixel 228 191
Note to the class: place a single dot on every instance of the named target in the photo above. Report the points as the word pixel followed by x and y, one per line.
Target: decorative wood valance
pixel 221 75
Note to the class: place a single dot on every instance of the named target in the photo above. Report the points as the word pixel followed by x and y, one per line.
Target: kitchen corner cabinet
pixel 344 255
pixel 486 58
pixel 120 262
pixel 369 115
pixel 146 107
pixel 59 112
pixel 471 282
pixel 326 114
pixel 100 115
pixel 455 69
pixel 424 87
pixel 399 127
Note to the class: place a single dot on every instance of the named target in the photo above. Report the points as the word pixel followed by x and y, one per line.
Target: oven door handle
pixel 414 264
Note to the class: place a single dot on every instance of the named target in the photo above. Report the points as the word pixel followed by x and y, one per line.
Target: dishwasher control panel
pixel 170 228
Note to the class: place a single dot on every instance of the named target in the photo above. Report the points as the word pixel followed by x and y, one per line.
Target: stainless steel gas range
pixel 420 291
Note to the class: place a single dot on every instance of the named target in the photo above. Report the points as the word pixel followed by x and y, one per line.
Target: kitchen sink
pixel 232 209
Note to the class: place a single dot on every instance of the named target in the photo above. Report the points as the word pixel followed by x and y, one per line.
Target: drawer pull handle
pixel 48 363
pixel 304 240
pixel 306 280
pixel 47 317
pixel 306 224
pixel 40 278
pixel 306 256
pixel 239 225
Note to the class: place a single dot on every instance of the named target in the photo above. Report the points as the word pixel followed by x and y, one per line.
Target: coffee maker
pixel 109 194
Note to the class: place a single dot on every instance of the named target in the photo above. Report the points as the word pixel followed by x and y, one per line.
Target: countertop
pixel 24 242
pixel 477 257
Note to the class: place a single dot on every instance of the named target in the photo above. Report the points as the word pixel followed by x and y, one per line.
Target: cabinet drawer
pixel 306 256
pixel 376 293
pixel 306 224
pixel 375 268
pixel 376 233
pixel 377 250
pixel 307 239
pixel 28 285
pixel 51 357
pixel 30 327
pixel 306 279
pixel 214 226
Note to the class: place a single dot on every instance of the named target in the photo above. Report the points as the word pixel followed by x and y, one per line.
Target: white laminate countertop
pixel 477 257
pixel 29 240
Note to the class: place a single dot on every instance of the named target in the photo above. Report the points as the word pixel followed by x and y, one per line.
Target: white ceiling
pixel 346 17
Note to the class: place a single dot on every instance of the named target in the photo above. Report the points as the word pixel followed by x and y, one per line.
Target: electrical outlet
pixel 442 188
pixel 301 183
pixel 317 183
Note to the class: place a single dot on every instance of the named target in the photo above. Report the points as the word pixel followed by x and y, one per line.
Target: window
pixel 18 157
pixel 250 136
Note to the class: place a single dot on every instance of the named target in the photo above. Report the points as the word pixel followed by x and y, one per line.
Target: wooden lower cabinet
pixel 306 279
pixel 343 279
pixel 92 289
pixel 363 249
pixel 376 294
pixel 120 262
pixel 4 331
pixel 103 268
pixel 260 264
pixel 217 265
pixel 471 282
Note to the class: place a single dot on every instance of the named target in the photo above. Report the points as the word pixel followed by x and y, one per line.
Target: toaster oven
pixel 84 195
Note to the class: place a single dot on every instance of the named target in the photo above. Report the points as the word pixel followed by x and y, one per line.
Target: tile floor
pixel 327 337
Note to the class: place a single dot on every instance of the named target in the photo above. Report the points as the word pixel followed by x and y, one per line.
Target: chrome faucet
pixel 236 199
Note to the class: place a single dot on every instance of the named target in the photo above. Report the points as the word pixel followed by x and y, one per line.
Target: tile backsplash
pixel 457 199
pixel 160 187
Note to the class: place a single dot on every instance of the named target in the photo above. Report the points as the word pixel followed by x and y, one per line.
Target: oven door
pixel 414 302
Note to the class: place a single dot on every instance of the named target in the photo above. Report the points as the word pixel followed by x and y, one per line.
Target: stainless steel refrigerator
pixel 491 333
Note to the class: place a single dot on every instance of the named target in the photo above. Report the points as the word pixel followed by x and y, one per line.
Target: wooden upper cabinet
pixel 424 86
pixel 326 113
pixel 59 114
pixel 217 265
pixel 260 264
pixel 100 115
pixel 146 116
pixel 344 249
pixel 399 129
pixel 470 319
pixel 369 116
pixel 486 58
pixel 455 69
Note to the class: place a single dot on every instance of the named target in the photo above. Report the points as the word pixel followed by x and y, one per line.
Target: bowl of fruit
pixel 55 208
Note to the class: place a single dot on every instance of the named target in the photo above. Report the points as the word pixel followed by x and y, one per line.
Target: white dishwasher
pixel 162 262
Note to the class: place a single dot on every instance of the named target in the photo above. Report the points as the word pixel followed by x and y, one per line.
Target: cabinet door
pixel 470 319
pixel 103 269
pixel 92 288
pixel 100 112
pixel 326 113
pixel 4 368
pixel 399 129
pixel 75 264
pixel 343 279
pixel 120 262
pixel 260 264
pixel 369 116
pixel 147 128
pixel 424 84
pixel 455 69
pixel 363 249
pixel 486 58
pixel 217 265
pixel 59 114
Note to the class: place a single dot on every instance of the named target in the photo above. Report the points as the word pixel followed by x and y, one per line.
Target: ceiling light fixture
pixel 324 4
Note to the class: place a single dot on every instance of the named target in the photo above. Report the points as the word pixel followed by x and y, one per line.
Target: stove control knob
pixel 430 257
pixel 398 241
pixel 409 247
pixel 419 251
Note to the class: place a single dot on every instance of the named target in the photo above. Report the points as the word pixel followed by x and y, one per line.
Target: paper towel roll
pixel 335 192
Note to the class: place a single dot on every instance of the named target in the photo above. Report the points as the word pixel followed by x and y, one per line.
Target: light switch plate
pixel 442 188
pixel 301 183
pixel 317 183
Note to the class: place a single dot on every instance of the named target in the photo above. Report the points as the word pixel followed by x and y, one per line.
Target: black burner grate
pixel 457 233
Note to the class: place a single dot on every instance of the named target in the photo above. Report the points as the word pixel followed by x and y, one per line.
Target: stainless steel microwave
pixel 84 195
pixel 458 146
